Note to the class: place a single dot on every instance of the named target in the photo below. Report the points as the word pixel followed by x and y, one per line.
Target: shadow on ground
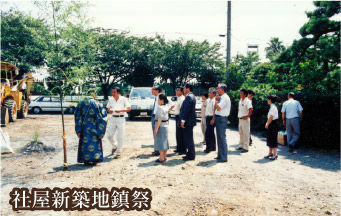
pixel 80 166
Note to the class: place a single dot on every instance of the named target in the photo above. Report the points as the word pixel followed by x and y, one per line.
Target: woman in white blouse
pixel 161 128
pixel 272 126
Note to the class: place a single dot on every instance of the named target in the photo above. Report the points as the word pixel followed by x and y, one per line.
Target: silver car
pixel 50 103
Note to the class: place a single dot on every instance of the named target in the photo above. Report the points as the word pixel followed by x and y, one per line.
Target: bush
pixel 320 126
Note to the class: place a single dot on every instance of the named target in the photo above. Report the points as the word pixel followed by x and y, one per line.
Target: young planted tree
pixel 65 60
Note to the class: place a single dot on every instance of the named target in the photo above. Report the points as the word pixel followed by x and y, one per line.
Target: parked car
pixel 50 103
pixel 197 106
pixel 173 99
pixel 141 101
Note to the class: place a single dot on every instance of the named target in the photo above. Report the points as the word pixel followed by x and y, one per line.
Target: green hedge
pixel 320 126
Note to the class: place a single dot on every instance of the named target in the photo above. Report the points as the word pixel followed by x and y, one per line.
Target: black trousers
pixel 189 141
pixel 209 135
pixel 179 133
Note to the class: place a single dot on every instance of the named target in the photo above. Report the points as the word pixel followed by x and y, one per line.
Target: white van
pixel 141 101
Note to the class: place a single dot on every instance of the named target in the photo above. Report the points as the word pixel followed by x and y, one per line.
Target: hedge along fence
pixel 320 126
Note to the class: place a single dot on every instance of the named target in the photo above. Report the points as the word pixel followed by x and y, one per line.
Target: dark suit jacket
pixel 187 111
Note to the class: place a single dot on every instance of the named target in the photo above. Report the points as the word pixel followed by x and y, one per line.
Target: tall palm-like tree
pixel 275 47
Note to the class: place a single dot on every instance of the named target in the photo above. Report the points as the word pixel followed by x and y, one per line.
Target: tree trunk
pixel 105 90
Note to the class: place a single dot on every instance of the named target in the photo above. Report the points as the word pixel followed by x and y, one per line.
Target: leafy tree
pixel 144 58
pixel 177 62
pixel 210 65
pixel 246 63
pixel 109 59
pixel 39 89
pixel 318 49
pixel 263 73
pixel 190 61
pixel 235 77
pixel 23 40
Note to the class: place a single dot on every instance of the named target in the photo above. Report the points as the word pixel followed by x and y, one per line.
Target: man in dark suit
pixel 188 120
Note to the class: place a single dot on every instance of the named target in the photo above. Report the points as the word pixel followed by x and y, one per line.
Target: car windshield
pixel 142 93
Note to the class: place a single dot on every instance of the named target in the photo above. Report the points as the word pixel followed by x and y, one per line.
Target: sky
pixel 253 22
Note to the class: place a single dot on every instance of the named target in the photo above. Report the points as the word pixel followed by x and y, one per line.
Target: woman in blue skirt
pixel 161 128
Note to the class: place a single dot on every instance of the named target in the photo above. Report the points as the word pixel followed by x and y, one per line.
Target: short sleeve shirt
pixel 121 104
pixel 210 107
pixel 225 105
pixel 162 114
pixel 291 108
pixel 273 112
pixel 243 108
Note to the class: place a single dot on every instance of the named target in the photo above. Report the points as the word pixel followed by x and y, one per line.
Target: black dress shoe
pixel 217 158
pixel 239 148
pixel 244 151
pixel 268 156
pixel 188 159
pixel 159 161
pixel 221 161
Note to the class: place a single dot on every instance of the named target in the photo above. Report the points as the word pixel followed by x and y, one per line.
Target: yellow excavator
pixel 15 93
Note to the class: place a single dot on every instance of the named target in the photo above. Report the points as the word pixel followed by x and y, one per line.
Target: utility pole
pixel 228 36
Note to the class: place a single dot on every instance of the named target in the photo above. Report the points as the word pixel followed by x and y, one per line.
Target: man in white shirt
pixel 223 108
pixel 244 113
pixel 204 97
pixel 117 106
pixel 209 113
pixel 179 133
pixel 292 113
pixel 156 90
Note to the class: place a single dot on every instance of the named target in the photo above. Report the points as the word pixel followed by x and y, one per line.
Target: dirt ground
pixel 306 182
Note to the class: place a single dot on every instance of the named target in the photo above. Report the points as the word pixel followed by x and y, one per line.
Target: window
pixel 142 93
pixel 45 99
pixel 55 100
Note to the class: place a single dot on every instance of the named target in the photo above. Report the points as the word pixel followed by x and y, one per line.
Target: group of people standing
pixel 91 122
pixel 216 112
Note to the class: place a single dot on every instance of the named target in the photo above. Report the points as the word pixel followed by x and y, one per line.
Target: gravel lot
pixel 306 182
